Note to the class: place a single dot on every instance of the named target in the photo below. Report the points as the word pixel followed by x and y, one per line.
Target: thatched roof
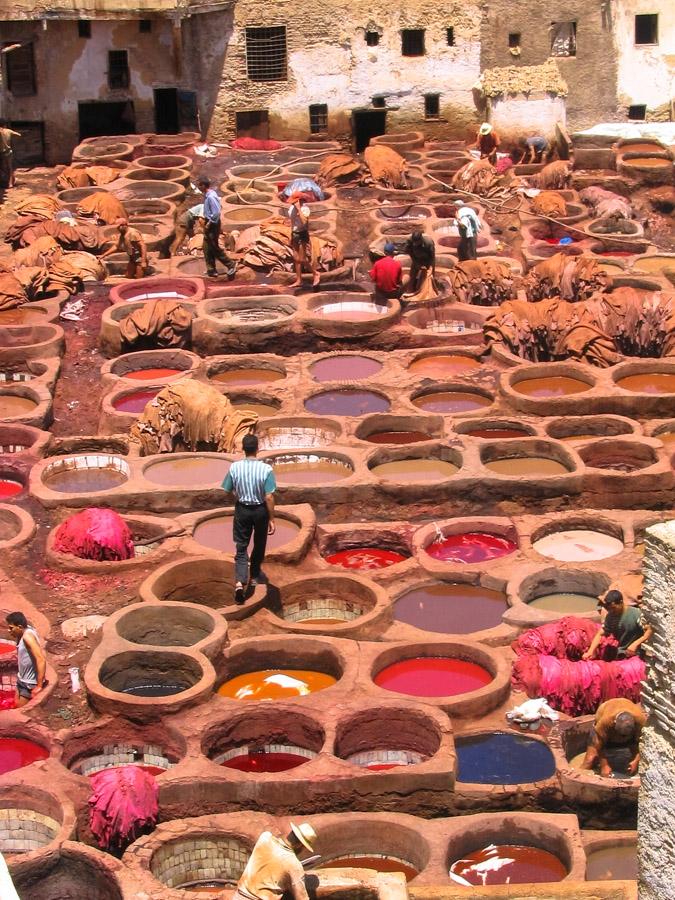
pixel 522 80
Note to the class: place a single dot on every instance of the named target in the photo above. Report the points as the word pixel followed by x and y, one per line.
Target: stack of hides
pixel 386 166
pixel 555 175
pixel 85 176
pixel 484 282
pixel 268 247
pixel 123 805
pixel 95 533
pixel 102 206
pixel 569 277
pixel 338 167
pixel 476 177
pixel 158 323
pixel 549 203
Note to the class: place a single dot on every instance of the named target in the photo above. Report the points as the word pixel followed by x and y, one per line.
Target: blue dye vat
pixel 503 758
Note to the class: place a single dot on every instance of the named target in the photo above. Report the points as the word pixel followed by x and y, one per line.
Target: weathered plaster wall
pixel 330 62
pixel 70 70
pixel 646 74
pixel 591 74
pixel 518 115
pixel 656 835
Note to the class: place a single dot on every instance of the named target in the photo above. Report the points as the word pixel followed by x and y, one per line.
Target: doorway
pixel 29 149
pixel 97 119
pixel 254 123
pixel 367 124
pixel 166 110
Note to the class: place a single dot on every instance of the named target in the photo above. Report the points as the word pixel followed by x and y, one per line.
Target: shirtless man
pixel 130 242
pixel 618 723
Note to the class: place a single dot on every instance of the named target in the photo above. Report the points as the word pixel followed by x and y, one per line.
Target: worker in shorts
pixel 130 241
pixel 32 662
pixel 301 245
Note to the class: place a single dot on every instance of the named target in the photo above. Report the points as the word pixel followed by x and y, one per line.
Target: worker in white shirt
pixel 468 225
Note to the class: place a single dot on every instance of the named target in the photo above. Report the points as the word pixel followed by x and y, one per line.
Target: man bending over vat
pixel 130 241
pixel 253 484
pixel 624 624
pixel 30 678
pixel 616 730
pixel 273 869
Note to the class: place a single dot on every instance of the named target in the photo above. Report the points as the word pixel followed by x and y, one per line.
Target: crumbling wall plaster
pixel 521 115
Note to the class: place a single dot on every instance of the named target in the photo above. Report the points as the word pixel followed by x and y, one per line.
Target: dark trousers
pixel 212 249
pixel 249 520
pixel 467 248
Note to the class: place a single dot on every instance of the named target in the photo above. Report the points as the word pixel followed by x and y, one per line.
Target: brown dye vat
pixel 378 863
pixel 617 863
pixel 443 366
pixel 579 437
pixel 188 472
pixel 644 147
pixel 415 470
pixel 651 162
pixel 248 214
pixel 667 437
pixel 494 433
pixel 553 386
pixel 526 465
pixel 309 470
pixel 344 368
pixel 651 263
pixel 13 405
pixel 650 383
pixel 216 533
pixel 262 410
pixel 21 316
pixel 397 437
pixel 247 377
pixel 84 481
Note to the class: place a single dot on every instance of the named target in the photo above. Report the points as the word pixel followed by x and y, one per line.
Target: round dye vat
pixel 666 437
pixel 578 545
pixel 264 761
pixel 348 402
pixel 9 488
pixel 617 863
pixel 618 758
pixel 351 310
pixel 451 401
pixel 507 864
pixel 12 405
pixel 397 437
pixel 205 887
pixel 471 547
pixel 493 434
pixel 451 608
pixel 649 162
pixel 614 464
pixel 565 603
pixel 580 437
pixel 246 377
pixel 7 648
pixel 433 676
pixel 7 699
pixel 654 383
pixel 555 386
pixel 443 366
pixel 365 558
pixel 503 758
pixel 378 863
pixel 275 684
pixel 155 689
pixel 415 470
pixel 526 465
pixel 15 753
pixel 152 374
pixel 188 471
pixel 135 402
pixel 83 481
pixel 309 469
pixel 344 368
pixel 262 410
pixel 216 533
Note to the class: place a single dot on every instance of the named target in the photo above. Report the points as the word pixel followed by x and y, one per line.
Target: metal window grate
pixel 412 42
pixel 118 69
pixel 318 118
pixel 21 71
pixel 266 58
pixel 563 39
pixel 432 106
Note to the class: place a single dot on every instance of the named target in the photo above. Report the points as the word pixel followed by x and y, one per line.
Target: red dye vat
pixel 507 864
pixel 365 558
pixel 382 767
pixel 493 433
pixel 7 648
pixel 433 676
pixel 7 700
pixel 152 374
pixel 471 547
pixel 265 762
pixel 135 402
pixel 15 753
pixel 378 863
pixel 9 488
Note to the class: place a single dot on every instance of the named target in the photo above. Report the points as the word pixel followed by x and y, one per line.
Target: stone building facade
pixel 348 69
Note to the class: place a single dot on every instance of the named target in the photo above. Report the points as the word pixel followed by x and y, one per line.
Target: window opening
pixel 563 39
pixel 318 118
pixel 266 53
pixel 118 69
pixel 647 29
pixel 412 42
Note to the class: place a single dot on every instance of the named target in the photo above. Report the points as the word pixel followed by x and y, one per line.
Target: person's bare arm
pixel 595 643
pixel 115 247
pixel 633 648
pixel 143 250
pixel 269 503
pixel 38 656
pixel 14 133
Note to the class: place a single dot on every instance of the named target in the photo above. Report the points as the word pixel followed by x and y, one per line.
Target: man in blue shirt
pixel 212 249
pixel 253 484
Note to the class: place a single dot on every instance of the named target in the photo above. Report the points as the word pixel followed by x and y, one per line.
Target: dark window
pixel 412 42
pixel 647 29
pixel 450 35
pixel 514 39
pixel 432 106
pixel 254 123
pixel 145 26
pixel 21 71
pixel 318 118
pixel 372 38
pixel 638 112
pixel 563 39
pixel 266 53
pixel 379 102
pixel 118 70
pixel 84 28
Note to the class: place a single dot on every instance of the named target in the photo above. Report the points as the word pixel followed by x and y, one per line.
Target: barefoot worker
pixel 274 869
pixel 30 677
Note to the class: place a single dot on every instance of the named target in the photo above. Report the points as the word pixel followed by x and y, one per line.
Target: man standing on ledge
pixel 212 249
pixel 273 870
pixel 253 485
pixel 30 677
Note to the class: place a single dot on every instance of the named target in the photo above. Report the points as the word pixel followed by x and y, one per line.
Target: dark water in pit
pixel 348 402
pixel 432 676
pixel 344 368
pixel 496 433
pixel 503 758
pixel 155 689
pixel 451 608
pixel 526 465
pixel 508 864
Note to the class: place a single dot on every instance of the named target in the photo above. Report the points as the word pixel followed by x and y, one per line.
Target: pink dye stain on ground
pixel 15 753
pixel 433 676
pixel 471 547
pixel 365 558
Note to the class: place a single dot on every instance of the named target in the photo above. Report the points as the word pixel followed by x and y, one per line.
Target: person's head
pixel 301 837
pixel 121 225
pixel 416 236
pixel 484 129
pixel 459 203
pixel 203 183
pixel 624 725
pixel 389 249
pixel 249 444
pixel 613 601
pixel 16 624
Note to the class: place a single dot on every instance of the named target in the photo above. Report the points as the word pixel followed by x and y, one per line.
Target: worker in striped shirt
pixel 253 484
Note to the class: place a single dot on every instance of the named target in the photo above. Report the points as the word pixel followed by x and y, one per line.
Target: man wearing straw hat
pixel 273 869
pixel 487 141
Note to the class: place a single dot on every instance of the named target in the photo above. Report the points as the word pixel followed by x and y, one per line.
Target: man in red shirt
pixel 387 274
